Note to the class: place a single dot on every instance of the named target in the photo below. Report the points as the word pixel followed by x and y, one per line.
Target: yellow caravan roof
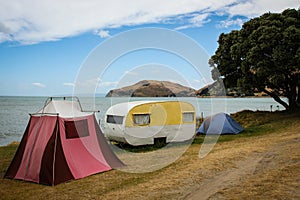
pixel 122 109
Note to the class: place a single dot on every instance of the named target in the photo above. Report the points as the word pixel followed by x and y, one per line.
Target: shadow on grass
pixel 148 148
pixel 139 149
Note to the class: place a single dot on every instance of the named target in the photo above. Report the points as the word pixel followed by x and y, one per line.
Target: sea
pixel 15 110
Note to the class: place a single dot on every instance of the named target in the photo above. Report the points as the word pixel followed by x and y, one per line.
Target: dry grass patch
pixel 275 175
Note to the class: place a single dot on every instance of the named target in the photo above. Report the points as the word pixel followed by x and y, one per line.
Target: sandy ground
pixel 261 167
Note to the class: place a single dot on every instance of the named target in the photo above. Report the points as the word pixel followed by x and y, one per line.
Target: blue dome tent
pixel 220 123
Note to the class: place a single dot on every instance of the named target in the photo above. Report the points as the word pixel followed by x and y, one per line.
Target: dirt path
pixel 270 173
pixel 228 178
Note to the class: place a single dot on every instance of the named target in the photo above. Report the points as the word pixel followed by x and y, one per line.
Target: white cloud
pixel 255 8
pixel 131 73
pixel 108 84
pixel 194 21
pixel 34 21
pixel 102 33
pixel 88 83
pixel 230 22
pixel 4 37
pixel 39 85
pixel 69 84
pixel 92 83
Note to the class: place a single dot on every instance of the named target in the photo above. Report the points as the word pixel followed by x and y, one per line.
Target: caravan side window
pixel 188 117
pixel 141 119
pixel 114 119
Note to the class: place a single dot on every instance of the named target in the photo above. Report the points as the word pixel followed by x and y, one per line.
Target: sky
pixel 45 45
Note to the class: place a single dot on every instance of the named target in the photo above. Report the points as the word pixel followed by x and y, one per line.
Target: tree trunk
pixel 298 95
pixel 294 99
pixel 278 99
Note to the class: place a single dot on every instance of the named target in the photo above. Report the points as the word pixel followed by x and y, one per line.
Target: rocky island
pixel 153 88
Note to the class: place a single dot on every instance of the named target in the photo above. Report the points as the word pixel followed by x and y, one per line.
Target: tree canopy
pixel 264 56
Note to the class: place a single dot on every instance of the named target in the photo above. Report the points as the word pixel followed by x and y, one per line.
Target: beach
pixel 261 163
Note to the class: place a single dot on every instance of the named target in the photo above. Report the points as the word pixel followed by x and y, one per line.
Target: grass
pixel 166 183
pixel 6 155
pixel 255 124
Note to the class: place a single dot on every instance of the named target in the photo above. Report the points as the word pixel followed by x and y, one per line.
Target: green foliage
pixel 263 56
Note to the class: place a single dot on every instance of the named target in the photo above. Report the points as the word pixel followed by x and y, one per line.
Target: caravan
pixel 148 122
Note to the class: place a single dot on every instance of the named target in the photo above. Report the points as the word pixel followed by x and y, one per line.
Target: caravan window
pixel 76 129
pixel 141 119
pixel 114 119
pixel 188 117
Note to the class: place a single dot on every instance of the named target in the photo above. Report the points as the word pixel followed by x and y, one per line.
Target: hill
pixel 153 88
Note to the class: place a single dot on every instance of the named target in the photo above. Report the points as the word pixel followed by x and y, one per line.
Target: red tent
pixel 61 143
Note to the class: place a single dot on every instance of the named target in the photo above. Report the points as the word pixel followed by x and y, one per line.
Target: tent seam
pixel 55 146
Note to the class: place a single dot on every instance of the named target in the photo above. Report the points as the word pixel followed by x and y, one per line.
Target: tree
pixel 264 56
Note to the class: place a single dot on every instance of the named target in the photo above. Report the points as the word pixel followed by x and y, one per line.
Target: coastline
pixel 14 110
